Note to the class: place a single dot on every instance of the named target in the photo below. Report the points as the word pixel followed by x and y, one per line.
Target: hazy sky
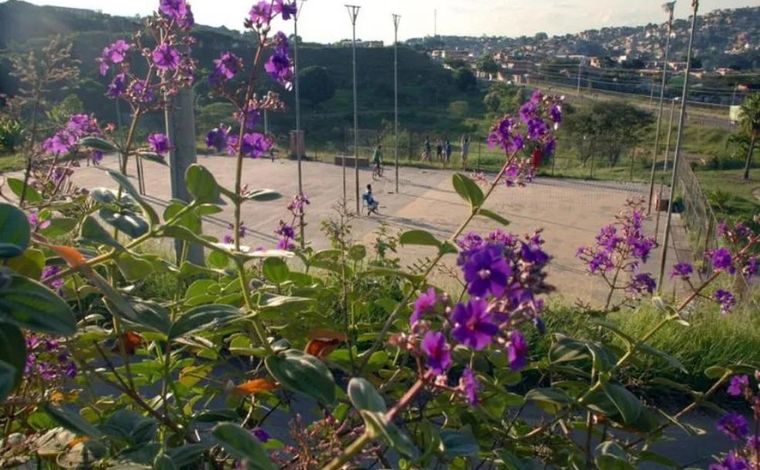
pixel 328 21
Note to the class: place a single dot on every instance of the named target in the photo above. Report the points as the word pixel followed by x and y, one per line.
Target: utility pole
pixel 180 128
pixel 580 68
pixel 396 22
pixel 679 139
pixel 668 8
pixel 353 13
pixel 299 157
pixel 665 166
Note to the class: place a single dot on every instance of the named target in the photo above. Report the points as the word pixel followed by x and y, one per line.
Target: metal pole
pixel 679 138
pixel 299 157
pixel 669 8
pixel 665 167
pixel 266 122
pixel 396 21
pixel 353 12
pixel 580 65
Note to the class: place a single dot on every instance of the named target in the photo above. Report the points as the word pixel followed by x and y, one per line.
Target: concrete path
pixel 569 211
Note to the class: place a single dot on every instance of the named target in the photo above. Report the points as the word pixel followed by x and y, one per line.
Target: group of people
pixel 444 150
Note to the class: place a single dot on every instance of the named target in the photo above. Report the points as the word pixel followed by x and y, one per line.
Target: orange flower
pixel 255 386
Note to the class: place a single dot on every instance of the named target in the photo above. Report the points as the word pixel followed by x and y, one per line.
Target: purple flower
pixel 141 93
pixel 737 385
pixel 528 111
pixel 261 435
pixel 555 111
pixel 255 145
pixel 517 350
pixel 278 67
pixel 470 241
pixel 166 57
pixel 437 352
pixel 537 128
pixel 721 260
pixel 261 13
pixel 285 8
pixel 643 282
pixel 117 87
pixel 486 270
pixel 734 426
pixel 751 268
pixel 532 253
pixel 116 53
pixel 217 138
pixel 34 221
pixel 753 443
pixel 159 143
pixel 175 9
pixel 601 261
pixel 225 68
pixel 473 325
pixel 47 273
pixel 96 157
pixel 59 144
pixel 470 386
pixel 726 300
pixel 731 462
pixel 425 303
pixel 682 270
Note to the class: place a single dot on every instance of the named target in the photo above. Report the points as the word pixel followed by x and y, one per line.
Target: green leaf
pixel 17 187
pixel 419 237
pixel 188 454
pixel 626 402
pixel 98 144
pixel 566 349
pixel 132 267
pixel 659 459
pixel 8 375
pixel 153 157
pixel 262 195
pixel 205 317
pixel 103 195
pixel 304 373
pixel 30 263
pixel 92 233
pixel 147 208
pixel 241 444
pixel 493 216
pixel 364 396
pixel 275 270
pixel 59 226
pixel 32 306
pixel 468 190
pixel 395 437
pixel 202 185
pixel 610 456
pixel 14 231
pixel 72 422
pixel 554 396
pixel 163 462
pixel 459 443
pixel 716 372
pixel 148 315
pixel 671 360
pixel 125 221
pixel 13 351
pixel 357 252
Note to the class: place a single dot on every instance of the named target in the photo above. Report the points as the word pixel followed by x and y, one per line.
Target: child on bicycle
pixel 377 160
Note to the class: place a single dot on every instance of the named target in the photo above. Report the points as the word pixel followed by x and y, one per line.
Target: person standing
pixel 426 150
pixel 465 150
pixel 449 150
pixel 439 150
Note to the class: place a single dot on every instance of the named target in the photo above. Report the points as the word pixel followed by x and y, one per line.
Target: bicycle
pixel 377 171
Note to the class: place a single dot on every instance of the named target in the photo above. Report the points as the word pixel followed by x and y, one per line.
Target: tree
pixel 464 79
pixel 487 65
pixel 317 86
pixel 750 124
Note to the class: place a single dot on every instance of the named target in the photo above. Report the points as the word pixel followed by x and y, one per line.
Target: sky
pixel 328 21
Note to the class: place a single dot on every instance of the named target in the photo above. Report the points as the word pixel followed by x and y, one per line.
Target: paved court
pixel 569 211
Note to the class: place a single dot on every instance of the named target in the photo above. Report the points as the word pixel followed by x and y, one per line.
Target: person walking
pixel 465 151
pixel 449 150
pixel 377 160
pixel 439 150
pixel 426 150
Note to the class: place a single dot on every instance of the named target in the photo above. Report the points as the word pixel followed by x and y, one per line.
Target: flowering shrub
pixel 387 367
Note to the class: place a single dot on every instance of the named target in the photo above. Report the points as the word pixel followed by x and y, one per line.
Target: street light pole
pixel 664 167
pixel 298 120
pixel 353 13
pixel 580 66
pixel 669 8
pixel 679 142
pixel 396 21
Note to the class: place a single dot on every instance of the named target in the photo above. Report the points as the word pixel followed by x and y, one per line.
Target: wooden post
pixel 180 128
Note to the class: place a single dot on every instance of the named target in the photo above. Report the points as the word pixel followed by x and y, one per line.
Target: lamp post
pixel 664 167
pixel 298 119
pixel 669 8
pixel 353 13
pixel 679 141
pixel 396 21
